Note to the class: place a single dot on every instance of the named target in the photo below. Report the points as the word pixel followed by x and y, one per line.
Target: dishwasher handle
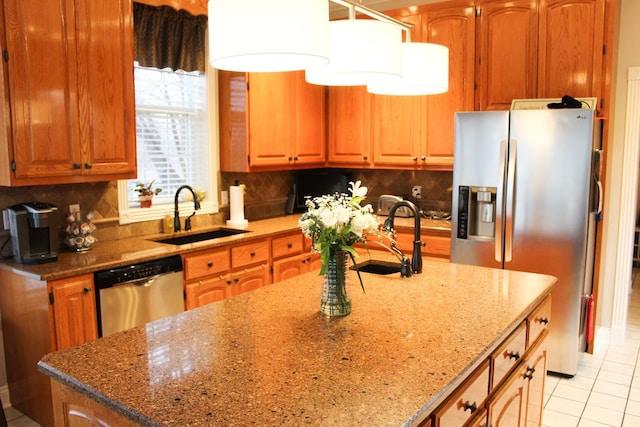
pixel 144 281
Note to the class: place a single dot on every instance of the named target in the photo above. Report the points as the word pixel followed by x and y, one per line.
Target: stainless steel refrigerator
pixel 525 196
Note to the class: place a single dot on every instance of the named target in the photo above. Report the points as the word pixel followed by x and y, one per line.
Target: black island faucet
pixel 416 258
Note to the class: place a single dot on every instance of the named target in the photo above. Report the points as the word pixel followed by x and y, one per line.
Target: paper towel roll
pixel 236 203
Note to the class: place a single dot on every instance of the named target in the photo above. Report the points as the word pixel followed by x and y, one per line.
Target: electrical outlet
pixel 224 195
pixel 416 191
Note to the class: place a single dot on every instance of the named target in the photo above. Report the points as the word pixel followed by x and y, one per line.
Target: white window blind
pixel 172 139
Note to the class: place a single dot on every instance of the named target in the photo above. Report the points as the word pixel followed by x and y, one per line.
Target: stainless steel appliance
pixel 34 232
pixel 136 294
pixel 525 186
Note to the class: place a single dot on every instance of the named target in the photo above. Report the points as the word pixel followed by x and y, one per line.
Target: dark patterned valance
pixel 165 37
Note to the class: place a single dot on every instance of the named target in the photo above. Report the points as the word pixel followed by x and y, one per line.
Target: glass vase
pixel 334 300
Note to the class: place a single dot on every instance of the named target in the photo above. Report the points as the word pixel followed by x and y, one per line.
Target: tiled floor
pixel 605 392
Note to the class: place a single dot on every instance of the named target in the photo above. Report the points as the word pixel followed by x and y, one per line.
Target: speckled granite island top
pixel 268 357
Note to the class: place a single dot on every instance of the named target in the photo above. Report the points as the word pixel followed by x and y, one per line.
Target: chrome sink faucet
pixel 176 213
pixel 416 258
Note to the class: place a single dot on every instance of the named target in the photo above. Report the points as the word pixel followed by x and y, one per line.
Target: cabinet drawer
pixel 466 400
pixel 539 321
pixel 287 245
pixel 205 263
pixel 249 253
pixel 508 354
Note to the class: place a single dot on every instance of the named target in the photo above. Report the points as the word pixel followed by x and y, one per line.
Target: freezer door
pixel 552 152
pixel 479 175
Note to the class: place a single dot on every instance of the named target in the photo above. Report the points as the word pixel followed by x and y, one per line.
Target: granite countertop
pixel 115 253
pixel 269 357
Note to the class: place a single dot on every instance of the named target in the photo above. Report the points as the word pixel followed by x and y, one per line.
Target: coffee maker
pixel 34 232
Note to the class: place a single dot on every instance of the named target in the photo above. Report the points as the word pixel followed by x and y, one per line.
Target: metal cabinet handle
pixel 415 159
pixel 471 407
pixel 88 165
pixel 253 254
pixel 544 320
pixel 289 245
pixel 514 355
pixel 76 166
pixel 86 290
pixel 210 264
pixel 529 374
pixel 423 158
pixel 365 158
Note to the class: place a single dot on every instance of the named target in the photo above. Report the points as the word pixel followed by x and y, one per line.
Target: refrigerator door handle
pixel 510 194
pixel 502 169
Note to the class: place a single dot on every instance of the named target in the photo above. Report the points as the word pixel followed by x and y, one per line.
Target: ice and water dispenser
pixel 476 213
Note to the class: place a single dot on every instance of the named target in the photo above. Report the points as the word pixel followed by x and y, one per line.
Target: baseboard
pixel 602 338
pixel 4 395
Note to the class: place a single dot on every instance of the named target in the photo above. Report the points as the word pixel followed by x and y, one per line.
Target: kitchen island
pixel 268 357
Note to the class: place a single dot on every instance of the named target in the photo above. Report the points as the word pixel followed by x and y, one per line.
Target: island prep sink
pixel 200 237
pixel 379 267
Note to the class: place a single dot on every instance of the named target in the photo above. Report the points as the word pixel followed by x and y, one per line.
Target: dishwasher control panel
pixel 114 276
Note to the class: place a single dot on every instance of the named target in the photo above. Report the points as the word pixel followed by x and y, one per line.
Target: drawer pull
pixel 86 290
pixel 210 264
pixel 229 281
pixel 471 407
pixel 304 261
pixel 544 320
pixel 529 374
pixel 514 355
pixel 236 280
pixel 253 254
pixel 289 245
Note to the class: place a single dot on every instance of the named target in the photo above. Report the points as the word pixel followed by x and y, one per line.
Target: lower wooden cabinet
pixel 73 304
pixel 507 389
pixel 296 265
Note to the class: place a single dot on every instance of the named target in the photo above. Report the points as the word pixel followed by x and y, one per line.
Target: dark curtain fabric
pixel 165 37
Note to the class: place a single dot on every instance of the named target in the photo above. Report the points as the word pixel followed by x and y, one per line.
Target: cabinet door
pixel 74 311
pixel 571 44
pixel 207 291
pixel 451 24
pixel 43 87
pixel 507 48
pixel 309 141
pixel 270 122
pixel 398 122
pixel 508 408
pixel 250 279
pixel 536 376
pixel 106 98
pixel 289 267
pixel 349 126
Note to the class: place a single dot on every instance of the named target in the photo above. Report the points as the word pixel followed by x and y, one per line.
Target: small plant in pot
pixel 146 193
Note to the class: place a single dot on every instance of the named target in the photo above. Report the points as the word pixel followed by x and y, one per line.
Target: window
pixel 173 143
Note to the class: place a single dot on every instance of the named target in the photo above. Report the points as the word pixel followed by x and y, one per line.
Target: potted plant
pixel 146 193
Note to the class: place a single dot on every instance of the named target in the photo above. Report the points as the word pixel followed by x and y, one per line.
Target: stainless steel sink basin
pixel 200 237
pixel 378 267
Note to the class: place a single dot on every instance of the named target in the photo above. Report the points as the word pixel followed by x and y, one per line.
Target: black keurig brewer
pixel 34 232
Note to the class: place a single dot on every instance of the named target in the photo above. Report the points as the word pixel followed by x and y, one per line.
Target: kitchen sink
pixel 200 237
pixel 378 267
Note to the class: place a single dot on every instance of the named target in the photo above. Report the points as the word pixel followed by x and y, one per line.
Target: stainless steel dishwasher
pixel 139 293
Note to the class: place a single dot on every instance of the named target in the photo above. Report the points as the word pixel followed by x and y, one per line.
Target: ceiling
pixel 338 11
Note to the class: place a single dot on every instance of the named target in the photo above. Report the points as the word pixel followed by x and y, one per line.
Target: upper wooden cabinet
pixel 68 83
pixel 571 48
pixel 270 121
pixel 349 128
pixel 507 48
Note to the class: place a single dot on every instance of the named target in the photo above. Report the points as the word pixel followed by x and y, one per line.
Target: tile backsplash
pixel 265 197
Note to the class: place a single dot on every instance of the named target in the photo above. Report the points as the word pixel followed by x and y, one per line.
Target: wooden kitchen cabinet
pixel 349 129
pixel 50 316
pixel 507 51
pixel 270 121
pixel 292 257
pixel 571 48
pixel 68 82
pixel 73 304
pixel 206 291
pixel 451 24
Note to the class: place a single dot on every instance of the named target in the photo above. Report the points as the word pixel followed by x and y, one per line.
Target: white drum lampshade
pixel 425 71
pixel 268 35
pixel 363 51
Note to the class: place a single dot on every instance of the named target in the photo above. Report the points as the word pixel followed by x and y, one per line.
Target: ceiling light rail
pixel 357 7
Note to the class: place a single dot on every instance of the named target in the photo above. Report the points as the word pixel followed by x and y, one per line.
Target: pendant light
pixel 425 71
pixel 362 52
pixel 268 35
